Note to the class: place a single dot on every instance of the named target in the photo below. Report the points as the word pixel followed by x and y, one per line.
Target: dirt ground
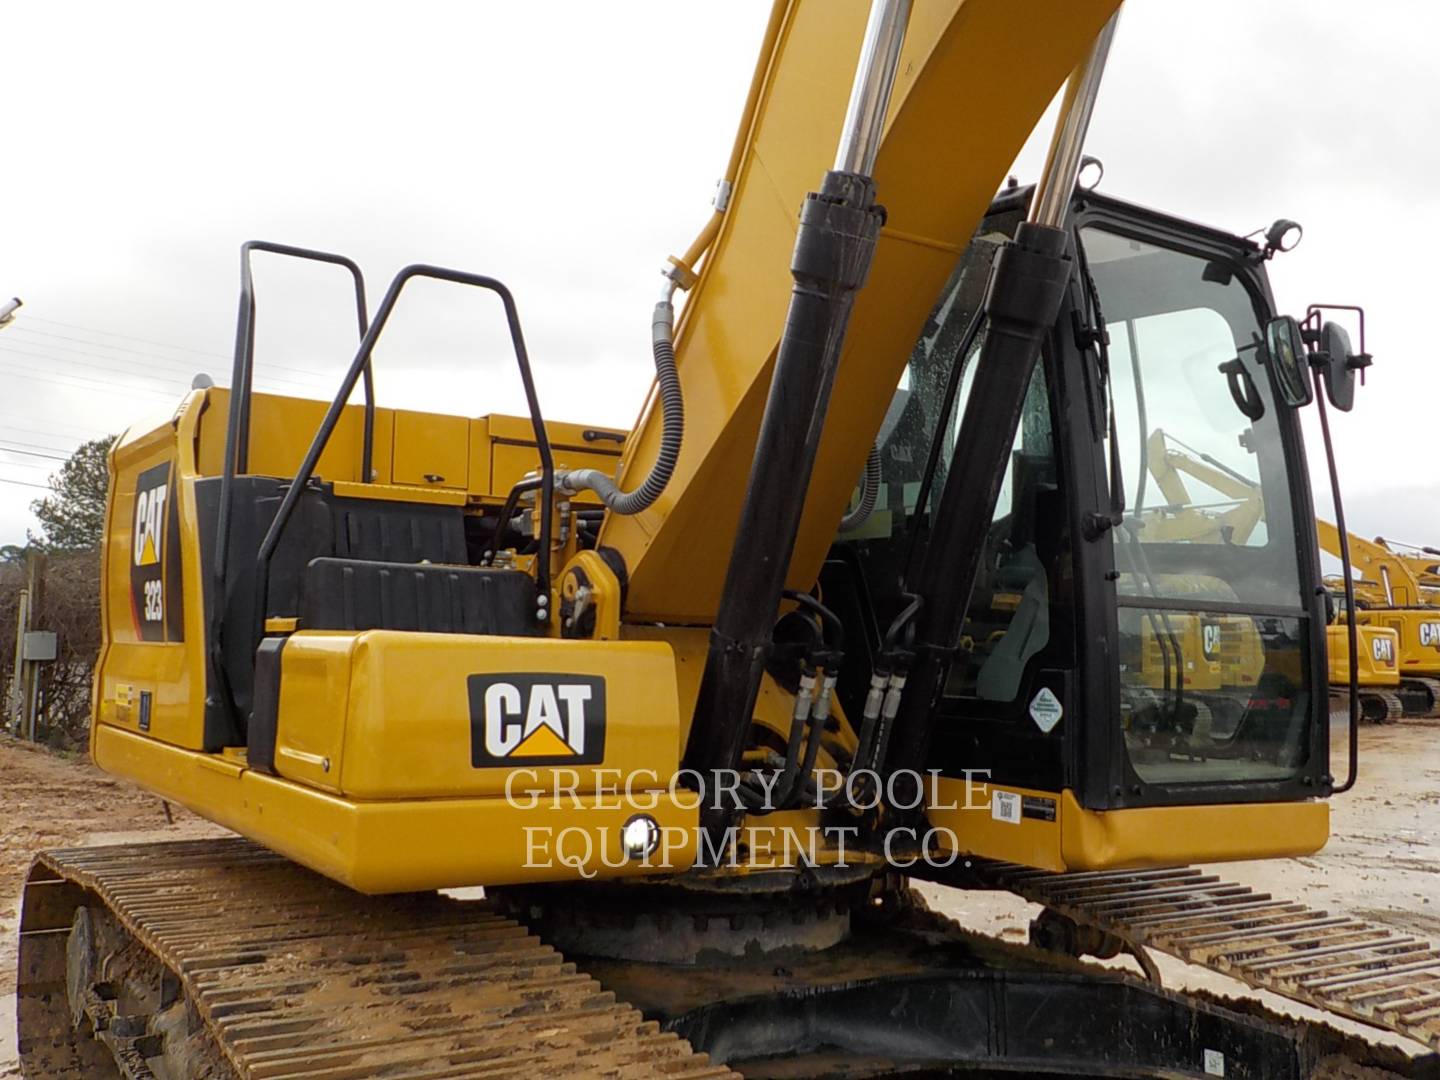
pixel 1382 862
pixel 47 801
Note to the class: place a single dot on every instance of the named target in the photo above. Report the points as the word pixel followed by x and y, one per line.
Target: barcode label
pixel 1005 806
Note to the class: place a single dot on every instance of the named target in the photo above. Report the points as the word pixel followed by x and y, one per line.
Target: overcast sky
pixel 567 148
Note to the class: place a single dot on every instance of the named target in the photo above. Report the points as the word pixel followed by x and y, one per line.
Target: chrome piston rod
pixel 870 92
pixel 1062 164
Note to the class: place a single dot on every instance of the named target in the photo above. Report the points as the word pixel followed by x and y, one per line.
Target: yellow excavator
pixel 1422 560
pixel 691 731
pixel 1396 592
pixel 1222 651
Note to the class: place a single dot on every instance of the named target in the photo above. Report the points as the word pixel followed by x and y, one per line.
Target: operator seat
pixel 1029 631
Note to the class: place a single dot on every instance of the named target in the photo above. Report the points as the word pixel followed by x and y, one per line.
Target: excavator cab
pixel 1113 668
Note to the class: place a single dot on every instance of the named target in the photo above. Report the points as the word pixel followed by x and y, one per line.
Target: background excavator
pixel 1219 652
pixel 683 731
pixel 1396 592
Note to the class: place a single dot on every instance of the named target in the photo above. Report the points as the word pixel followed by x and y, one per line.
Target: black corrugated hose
pixel 869 492
pixel 672 433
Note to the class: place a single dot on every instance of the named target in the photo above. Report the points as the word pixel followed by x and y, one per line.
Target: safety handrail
pixel 237 430
pixel 358 366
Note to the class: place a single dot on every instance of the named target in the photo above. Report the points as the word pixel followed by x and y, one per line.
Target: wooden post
pixel 30 669
pixel 17 695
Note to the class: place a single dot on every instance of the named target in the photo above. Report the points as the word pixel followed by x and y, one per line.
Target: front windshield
pixel 1213 642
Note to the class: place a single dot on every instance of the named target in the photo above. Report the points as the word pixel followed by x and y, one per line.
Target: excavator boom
pixel 973 79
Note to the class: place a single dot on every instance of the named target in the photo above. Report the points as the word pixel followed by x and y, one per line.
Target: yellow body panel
pixel 411 844
pixel 1378 652
pixel 389 711
pixel 376 787
pixel 408 445
pixel 973 79
pixel 1080 839
pixel 431 450
pixel 512 454
pixel 280 432
pixel 1417 632
pixel 156 686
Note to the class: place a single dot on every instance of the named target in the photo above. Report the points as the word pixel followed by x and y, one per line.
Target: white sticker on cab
pixel 1046 710
pixel 1005 806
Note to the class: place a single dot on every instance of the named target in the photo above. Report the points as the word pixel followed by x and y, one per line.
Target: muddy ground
pixel 1383 860
pixel 48 801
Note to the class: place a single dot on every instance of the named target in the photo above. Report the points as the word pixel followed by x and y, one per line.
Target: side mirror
pixel 1340 365
pixel 1333 355
pixel 1286 346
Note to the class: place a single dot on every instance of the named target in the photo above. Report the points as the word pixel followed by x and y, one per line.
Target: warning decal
pixel 1046 710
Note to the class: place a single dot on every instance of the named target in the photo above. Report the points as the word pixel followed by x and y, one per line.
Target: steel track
pixel 1333 962
pixel 290 975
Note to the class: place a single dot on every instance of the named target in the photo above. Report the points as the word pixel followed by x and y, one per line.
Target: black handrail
pixel 237 430
pixel 359 365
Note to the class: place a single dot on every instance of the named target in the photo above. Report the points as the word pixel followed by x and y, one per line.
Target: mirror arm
pixel 1352 634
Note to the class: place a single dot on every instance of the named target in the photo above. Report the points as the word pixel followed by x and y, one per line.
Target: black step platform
pixel 356 594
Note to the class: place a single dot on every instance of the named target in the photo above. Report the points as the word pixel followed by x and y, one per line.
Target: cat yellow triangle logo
pixel 543 742
pixel 536 718
pixel 148 557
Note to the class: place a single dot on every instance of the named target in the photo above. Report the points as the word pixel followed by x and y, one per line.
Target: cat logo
pixel 157 603
pixel 1210 640
pixel 1430 634
pixel 150 524
pixel 1382 648
pixel 549 719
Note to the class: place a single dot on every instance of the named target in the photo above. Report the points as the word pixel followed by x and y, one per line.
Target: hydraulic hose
pixel 672 404
pixel 869 492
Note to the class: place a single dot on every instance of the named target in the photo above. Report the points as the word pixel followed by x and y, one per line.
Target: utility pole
pixel 32 648
pixel 35 587
pixel 17 696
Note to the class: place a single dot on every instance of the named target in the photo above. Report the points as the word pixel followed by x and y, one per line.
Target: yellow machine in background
pixel 1383 693
pixel 1378 671
pixel 638 685
pixel 1394 593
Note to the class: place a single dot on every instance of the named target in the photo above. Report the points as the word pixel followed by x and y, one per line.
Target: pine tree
pixel 73 518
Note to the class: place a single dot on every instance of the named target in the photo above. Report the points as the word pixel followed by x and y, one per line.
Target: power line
pixel 24 434
pixel 83 382
pixel 145 341
pixel 14 435
pixel 26 437
pixel 108 366
pixel 104 383
pixel 20 328
pixel 23 483
pixel 127 337
pixel 152 362
pixel 31 453
pixel 147 359
pixel 55 425
pixel 66 379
